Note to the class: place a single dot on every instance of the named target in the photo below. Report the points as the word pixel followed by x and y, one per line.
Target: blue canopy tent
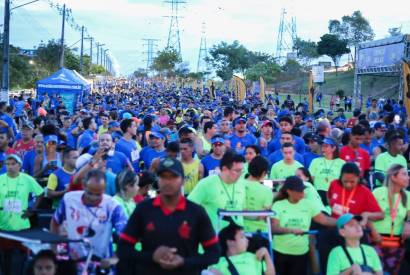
pixel 66 84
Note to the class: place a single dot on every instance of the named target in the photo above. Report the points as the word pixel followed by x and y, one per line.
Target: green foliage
pixel 166 61
pixel 332 46
pixel 140 73
pixel 196 76
pixel 306 50
pixel 268 70
pixel 229 58
pixel 340 93
pixel 354 28
pixel 292 67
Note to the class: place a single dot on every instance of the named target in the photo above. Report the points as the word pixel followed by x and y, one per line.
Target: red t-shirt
pixel 351 122
pixel 22 147
pixel 359 156
pixel 355 201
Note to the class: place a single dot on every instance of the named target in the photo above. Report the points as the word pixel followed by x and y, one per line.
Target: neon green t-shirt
pixel 213 194
pixel 296 216
pixel 313 196
pixel 14 195
pixel 127 206
pixel 325 171
pixel 258 197
pixel 245 263
pixel 245 170
pixel 384 226
pixel 281 170
pixel 338 261
pixel 384 161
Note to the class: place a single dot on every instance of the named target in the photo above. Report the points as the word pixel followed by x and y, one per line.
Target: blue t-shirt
pixel 19 107
pixel 278 156
pixel 148 154
pixel 130 150
pixel 210 164
pixel 117 162
pixel 309 157
pixel 110 188
pixel 85 139
pixel 239 143
pixel 299 145
pixel 28 162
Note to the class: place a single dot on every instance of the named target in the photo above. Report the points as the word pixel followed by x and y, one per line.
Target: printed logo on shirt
pixel 150 227
pixel 184 230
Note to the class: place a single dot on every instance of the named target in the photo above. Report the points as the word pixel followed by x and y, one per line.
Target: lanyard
pixel 393 211
pixel 346 203
pixel 230 198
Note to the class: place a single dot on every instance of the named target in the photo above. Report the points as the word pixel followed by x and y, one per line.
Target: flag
pixel 406 87
pixel 262 89
pixel 240 88
pixel 311 92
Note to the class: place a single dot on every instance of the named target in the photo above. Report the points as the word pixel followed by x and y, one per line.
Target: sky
pixel 123 24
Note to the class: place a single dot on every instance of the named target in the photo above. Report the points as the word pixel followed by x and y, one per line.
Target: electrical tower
pixel 151 45
pixel 202 65
pixel 174 40
pixel 286 37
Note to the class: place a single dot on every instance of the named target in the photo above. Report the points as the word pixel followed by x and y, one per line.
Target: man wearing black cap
pixel 170 229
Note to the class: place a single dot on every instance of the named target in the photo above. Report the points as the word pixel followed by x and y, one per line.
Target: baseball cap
pixel 15 157
pixel 251 116
pixel 217 139
pixel 171 165
pixel 84 111
pixel 312 137
pixel 28 125
pixel 329 141
pixel 379 125
pixel 49 138
pixel 113 124
pixel 267 123
pixel 346 218
pixel 294 183
pixel 156 135
pixel 309 118
pixel 126 116
pixel 238 119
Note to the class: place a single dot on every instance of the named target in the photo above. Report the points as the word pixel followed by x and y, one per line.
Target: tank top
pixel 191 171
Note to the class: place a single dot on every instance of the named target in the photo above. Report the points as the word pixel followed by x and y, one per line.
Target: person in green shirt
pixel 293 216
pixel 327 168
pixel 15 188
pixel 394 201
pixel 393 155
pixel 224 191
pixel 234 245
pixel 352 257
pixel 126 184
pixel 258 196
pixel 286 167
pixel 251 151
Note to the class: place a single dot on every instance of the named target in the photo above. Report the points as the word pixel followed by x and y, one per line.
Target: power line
pixel 174 40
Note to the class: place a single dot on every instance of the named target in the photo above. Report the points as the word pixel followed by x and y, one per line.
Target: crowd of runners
pixel 142 170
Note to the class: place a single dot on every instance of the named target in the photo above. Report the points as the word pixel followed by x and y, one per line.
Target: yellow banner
pixel 262 89
pixel 240 88
pixel 406 80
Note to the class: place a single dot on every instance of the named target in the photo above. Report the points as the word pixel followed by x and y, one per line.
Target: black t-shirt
pixel 153 225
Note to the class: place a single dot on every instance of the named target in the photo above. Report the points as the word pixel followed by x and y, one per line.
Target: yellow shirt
pixel 102 130
pixel 191 173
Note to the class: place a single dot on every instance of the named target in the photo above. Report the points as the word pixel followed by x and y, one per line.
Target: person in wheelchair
pixel 236 257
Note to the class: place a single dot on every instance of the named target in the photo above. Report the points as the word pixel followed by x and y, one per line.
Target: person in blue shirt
pixel 8 119
pixel 88 135
pixel 266 137
pixel 115 161
pixel 377 142
pixel 240 138
pixel 211 161
pixel 19 108
pixel 313 148
pixel 286 125
pixel 127 144
pixel 278 155
pixel 155 150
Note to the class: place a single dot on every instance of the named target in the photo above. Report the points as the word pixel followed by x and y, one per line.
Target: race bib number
pixel 135 155
pixel 12 206
pixel 214 172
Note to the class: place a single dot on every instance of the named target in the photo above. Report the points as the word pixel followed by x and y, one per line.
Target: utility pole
pixel 286 37
pixel 5 80
pixel 91 48
pixel 82 49
pixel 150 43
pixel 62 40
pixel 105 59
pixel 174 41
pixel 203 53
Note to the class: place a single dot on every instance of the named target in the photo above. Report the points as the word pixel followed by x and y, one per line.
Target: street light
pixel 5 80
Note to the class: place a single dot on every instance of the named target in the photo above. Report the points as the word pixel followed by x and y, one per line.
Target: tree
pixel 229 58
pixel 292 67
pixel 49 56
pixel 166 61
pixel 332 46
pixel 354 29
pixel 268 70
pixel 306 50
pixel 140 72
pixel 395 31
